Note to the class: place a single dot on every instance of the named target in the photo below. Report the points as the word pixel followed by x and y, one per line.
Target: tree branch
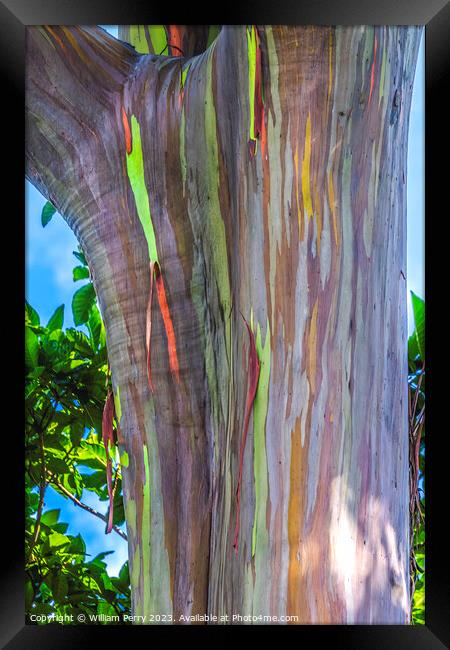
pixel 84 505
pixel 73 78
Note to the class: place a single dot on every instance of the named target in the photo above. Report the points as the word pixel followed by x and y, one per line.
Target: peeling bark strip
pixel 126 128
pixel 147 157
pixel 253 376
pixel 155 273
pixel 108 441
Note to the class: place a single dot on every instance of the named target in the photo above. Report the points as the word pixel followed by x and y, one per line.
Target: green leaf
pixel 80 342
pixel 29 594
pixel 31 315
pixel 61 528
pixel 33 500
pixel 413 351
pixel 94 481
pixel 47 213
pixel 124 576
pixel 418 306
pixel 82 303
pixel 106 609
pixel 60 586
pixel 95 325
pixel 119 512
pixel 37 372
pixel 57 540
pixel 76 432
pixel 80 273
pixel 98 558
pixel 77 545
pixel 50 517
pixel 80 257
pixel 31 348
pixel 56 320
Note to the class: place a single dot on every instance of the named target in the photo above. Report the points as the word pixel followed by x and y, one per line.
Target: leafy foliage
pixel 416 387
pixel 66 385
pixel 47 213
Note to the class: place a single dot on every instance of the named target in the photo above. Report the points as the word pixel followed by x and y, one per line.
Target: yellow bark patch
pixel 306 183
pixel 299 212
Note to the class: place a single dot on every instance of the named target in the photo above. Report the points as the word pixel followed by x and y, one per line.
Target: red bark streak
pixel 253 370
pixel 126 128
pixel 165 312
pixel 372 74
pixel 108 440
pixel 156 275
pixel 175 40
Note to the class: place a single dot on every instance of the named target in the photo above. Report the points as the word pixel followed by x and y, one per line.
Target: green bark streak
pixel 138 40
pixel 135 170
pixel 368 47
pixel 212 34
pixel 159 599
pixel 130 517
pixel 251 48
pixel 146 509
pixel 184 73
pixel 215 227
pixel 158 37
pixel 260 406
pixel 138 606
pixel 117 405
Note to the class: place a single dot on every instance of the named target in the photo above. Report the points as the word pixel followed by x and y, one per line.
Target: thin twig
pixel 85 506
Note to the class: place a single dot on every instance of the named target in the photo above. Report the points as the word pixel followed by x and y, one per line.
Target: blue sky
pixel 49 263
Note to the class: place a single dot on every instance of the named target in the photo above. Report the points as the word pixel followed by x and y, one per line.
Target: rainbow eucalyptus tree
pixel 241 200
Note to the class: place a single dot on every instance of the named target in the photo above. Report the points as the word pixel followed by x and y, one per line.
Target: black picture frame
pixel 15 15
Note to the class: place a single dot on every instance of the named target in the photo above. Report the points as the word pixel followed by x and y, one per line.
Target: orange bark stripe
pixel 168 325
pixel 76 46
pixel 175 39
pixel 126 128
pixel 56 37
pixel 263 138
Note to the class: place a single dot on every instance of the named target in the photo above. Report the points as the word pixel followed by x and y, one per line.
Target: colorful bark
pixel 169 40
pixel 253 376
pixel 307 233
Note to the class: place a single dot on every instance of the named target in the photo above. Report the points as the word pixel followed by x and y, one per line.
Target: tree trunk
pixel 262 176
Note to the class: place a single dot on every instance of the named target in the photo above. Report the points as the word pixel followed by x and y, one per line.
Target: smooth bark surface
pixel 265 175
